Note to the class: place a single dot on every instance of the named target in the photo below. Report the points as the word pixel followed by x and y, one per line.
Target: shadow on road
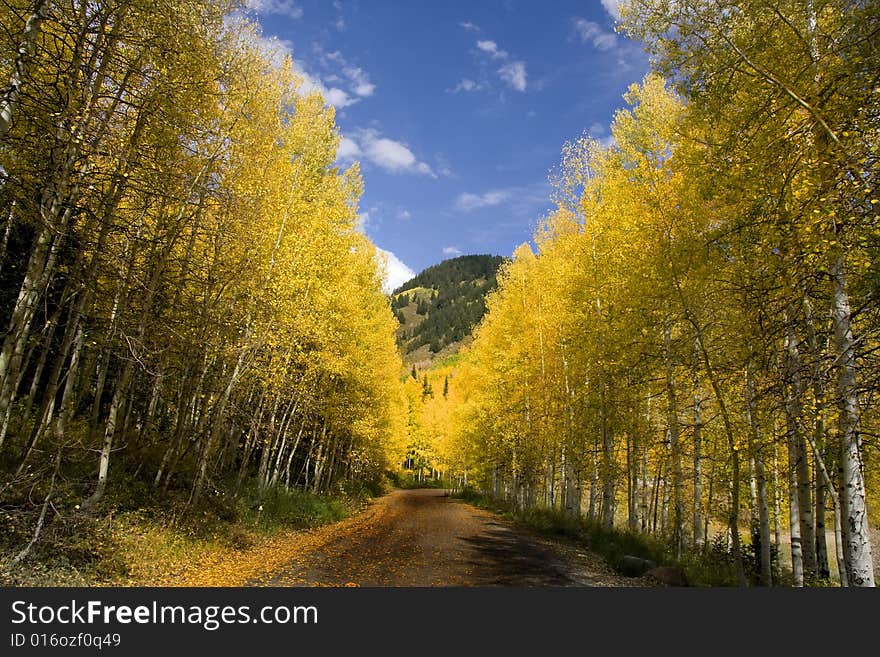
pixel 502 558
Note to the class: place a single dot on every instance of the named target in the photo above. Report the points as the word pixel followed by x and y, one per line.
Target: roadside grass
pixel 139 537
pixel 712 567
pixel 161 550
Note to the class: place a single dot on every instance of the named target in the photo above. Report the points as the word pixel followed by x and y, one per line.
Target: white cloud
pixel 451 251
pixel 600 133
pixel 337 97
pixel 590 32
pixel 333 95
pixel 514 74
pixel 362 85
pixel 280 7
pixel 335 56
pixel 469 26
pixel 613 7
pixel 363 222
pixel 359 80
pixel 443 167
pixel 468 201
pixel 466 84
pixel 348 150
pixel 404 215
pixel 275 49
pixel 393 270
pixel 278 49
pixel 339 23
pixel 518 201
pixel 492 49
pixel 389 154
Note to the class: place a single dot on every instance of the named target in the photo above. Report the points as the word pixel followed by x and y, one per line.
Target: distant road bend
pixel 425 538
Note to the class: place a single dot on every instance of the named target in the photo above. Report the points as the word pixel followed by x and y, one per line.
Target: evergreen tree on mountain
pixel 451 297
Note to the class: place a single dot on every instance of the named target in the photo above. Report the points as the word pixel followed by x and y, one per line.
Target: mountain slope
pixel 439 308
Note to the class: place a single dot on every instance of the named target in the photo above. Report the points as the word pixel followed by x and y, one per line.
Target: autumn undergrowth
pixel 712 567
pixel 140 536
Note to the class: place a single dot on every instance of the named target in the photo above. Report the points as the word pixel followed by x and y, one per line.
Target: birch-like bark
pixel 777 508
pixel 320 458
pixel 655 497
pixel 826 476
pixel 216 428
pixel 180 403
pixel 760 494
pixel 632 478
pixel 58 199
pixel 821 492
pixel 664 502
pixel 291 454
pixel 733 516
pixel 698 463
pixel 594 480
pixel 797 555
pixel 67 397
pixel 45 344
pixel 797 456
pixel 36 277
pixel 645 491
pixel 285 424
pixel 608 474
pixel 110 427
pixel 572 472
pixel 250 440
pixel 675 447
pixel 855 530
pixel 7 231
pixel 11 97
pixel 856 533
pixel 266 452
pixel 710 496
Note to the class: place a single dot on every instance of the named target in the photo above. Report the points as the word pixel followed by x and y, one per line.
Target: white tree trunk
pixel 698 464
pixel 673 428
pixel 12 95
pixel 797 456
pixel 856 534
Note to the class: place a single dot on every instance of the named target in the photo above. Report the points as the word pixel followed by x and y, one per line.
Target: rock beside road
pixel 668 576
pixel 635 566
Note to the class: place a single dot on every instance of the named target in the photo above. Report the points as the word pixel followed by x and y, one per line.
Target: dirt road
pixel 424 538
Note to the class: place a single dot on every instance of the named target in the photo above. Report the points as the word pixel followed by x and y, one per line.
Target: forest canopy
pixel 691 347
pixel 686 351
pixel 188 303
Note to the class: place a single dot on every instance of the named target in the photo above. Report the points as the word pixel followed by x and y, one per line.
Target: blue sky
pixel 456 111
